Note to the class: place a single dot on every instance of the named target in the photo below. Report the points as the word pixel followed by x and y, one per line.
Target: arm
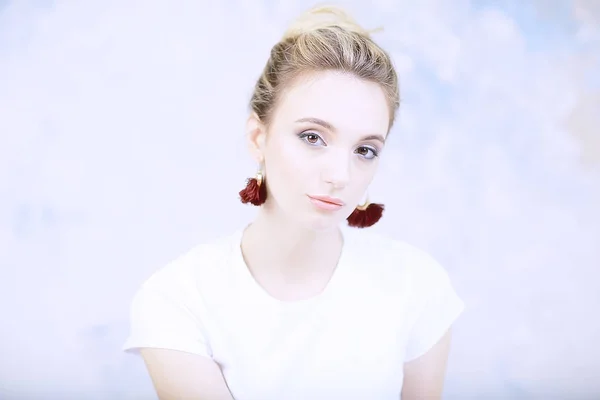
pixel 424 376
pixel 167 331
pixel 184 376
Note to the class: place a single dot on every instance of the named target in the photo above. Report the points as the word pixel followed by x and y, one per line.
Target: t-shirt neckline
pixel 250 283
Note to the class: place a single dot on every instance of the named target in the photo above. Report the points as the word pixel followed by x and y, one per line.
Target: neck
pixel 272 242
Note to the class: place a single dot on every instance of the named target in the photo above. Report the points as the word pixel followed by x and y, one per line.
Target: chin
pixel 320 223
pixel 312 219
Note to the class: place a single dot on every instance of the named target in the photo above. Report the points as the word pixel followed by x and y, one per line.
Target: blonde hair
pixel 324 38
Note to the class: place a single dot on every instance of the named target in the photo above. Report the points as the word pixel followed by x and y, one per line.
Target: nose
pixel 336 169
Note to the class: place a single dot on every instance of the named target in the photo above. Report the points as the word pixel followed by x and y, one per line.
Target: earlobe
pixel 255 134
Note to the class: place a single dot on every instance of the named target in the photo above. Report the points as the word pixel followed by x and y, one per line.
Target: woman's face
pixel 322 147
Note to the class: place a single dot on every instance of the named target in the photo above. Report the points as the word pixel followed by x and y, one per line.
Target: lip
pixel 326 203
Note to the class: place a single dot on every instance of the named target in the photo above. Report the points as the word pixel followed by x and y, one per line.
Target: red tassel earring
pixel 255 191
pixel 365 215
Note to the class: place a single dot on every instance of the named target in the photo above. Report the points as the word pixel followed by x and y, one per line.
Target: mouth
pixel 326 202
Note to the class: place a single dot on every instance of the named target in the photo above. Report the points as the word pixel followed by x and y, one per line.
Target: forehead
pixel 348 103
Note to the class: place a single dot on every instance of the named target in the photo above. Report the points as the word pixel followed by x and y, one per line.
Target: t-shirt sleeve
pixel 440 307
pixel 159 319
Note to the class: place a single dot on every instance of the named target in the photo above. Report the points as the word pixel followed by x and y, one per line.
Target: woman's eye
pixel 367 152
pixel 311 138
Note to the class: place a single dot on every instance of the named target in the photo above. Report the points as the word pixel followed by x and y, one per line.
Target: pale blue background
pixel 121 145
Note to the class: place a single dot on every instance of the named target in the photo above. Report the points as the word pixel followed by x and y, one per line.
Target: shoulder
pixel 175 296
pixel 195 265
pixel 410 278
pixel 389 252
pixel 396 262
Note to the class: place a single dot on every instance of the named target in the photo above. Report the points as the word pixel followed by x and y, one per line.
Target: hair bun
pixel 323 17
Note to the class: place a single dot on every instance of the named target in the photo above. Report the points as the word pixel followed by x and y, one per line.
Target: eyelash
pixel 304 135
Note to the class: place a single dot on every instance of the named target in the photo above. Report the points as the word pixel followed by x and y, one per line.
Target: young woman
pixel 296 305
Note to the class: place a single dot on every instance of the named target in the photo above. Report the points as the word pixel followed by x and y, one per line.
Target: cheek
pixel 283 158
pixel 287 154
pixel 362 176
pixel 286 165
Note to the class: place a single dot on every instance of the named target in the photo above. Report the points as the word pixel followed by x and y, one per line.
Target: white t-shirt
pixel 387 303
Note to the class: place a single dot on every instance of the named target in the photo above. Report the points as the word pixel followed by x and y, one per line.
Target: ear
pixel 256 135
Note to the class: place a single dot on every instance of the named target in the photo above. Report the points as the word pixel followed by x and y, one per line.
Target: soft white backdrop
pixel 121 145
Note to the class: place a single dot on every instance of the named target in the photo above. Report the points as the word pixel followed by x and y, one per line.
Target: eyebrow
pixel 331 128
